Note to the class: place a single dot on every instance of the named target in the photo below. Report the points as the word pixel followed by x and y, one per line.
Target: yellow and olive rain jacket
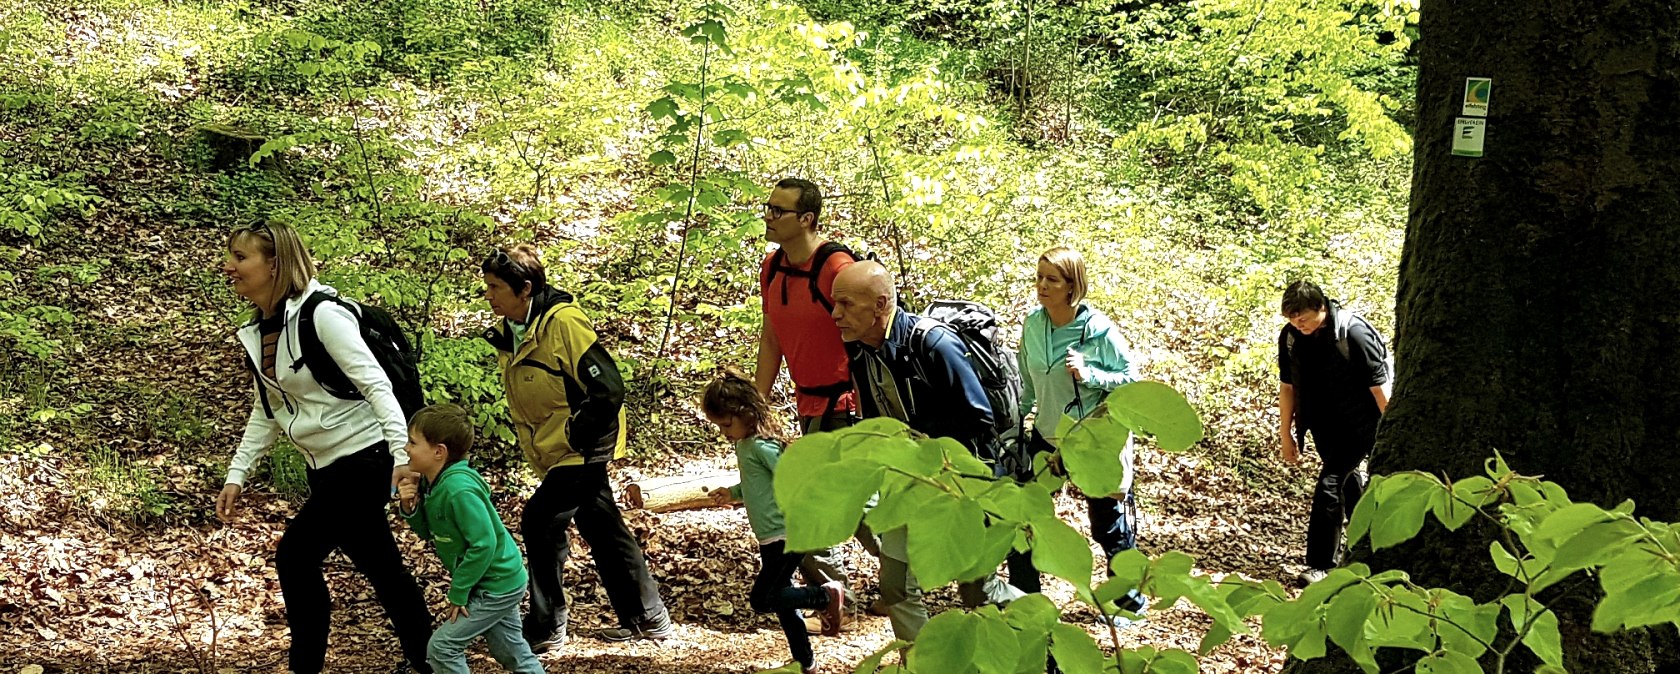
pixel 564 391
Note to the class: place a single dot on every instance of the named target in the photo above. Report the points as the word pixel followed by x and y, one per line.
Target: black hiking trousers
pixel 1340 484
pixel 346 511
pixel 583 494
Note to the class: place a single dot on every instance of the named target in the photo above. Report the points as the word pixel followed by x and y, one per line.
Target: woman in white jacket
pixel 354 448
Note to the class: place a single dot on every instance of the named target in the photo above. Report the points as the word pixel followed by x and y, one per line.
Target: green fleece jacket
pixel 458 515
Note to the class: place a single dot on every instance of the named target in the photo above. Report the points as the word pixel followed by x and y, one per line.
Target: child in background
pixel 454 510
pixel 733 403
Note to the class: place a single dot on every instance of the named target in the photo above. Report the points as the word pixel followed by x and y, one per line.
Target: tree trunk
pixel 1538 312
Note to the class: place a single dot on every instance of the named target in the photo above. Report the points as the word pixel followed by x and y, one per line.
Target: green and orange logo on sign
pixel 1476 90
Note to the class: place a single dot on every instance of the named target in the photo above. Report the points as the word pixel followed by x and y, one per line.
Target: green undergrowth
pixel 632 142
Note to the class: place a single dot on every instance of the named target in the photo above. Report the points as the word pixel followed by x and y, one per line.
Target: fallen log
pixel 681 492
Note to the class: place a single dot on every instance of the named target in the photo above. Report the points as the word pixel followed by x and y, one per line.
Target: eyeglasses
pixel 776 212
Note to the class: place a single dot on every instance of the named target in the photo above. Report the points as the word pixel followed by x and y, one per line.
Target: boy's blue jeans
pixel 496 616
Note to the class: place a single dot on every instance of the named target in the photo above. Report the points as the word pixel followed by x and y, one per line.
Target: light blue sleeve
pixel 1108 366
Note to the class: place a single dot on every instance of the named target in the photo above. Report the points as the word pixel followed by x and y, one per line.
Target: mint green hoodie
pixel 1043 360
pixel 458 515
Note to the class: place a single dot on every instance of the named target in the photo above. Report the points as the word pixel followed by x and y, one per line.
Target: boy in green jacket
pixel 454 511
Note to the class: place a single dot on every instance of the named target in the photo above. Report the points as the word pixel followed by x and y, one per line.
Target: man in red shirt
pixel 798 329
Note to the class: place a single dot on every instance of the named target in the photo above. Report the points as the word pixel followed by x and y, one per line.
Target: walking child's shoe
pixel 834 613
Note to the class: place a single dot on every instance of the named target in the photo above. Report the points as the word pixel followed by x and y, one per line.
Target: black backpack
pixel 1344 318
pixel 779 265
pixel 993 363
pixel 384 339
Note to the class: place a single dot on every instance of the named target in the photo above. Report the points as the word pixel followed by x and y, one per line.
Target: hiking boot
pixel 1311 576
pixel 835 610
pixel 655 628
pixel 554 641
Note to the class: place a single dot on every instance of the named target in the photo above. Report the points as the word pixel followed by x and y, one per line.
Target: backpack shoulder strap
pixel 1344 321
pixel 778 259
pixel 256 381
pixel 819 260
pixel 315 357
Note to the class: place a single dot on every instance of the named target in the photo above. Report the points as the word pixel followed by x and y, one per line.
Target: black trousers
pixel 773 592
pixel 1339 487
pixel 346 511
pixel 583 494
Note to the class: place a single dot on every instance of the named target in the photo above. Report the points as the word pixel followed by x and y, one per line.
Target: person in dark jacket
pixel 1334 375
pixel 566 398
pixel 932 388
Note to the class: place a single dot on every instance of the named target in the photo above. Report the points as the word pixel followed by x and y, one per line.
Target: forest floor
pixel 83 595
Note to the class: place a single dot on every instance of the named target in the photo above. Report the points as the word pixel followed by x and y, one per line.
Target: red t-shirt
pixel 810 340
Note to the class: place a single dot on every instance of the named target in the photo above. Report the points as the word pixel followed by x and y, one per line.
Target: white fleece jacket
pixel 325 428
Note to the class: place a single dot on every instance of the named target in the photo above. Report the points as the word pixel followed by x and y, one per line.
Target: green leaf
pixel 1364 512
pixel 1473 625
pixel 902 453
pixel 1032 618
pixel 1542 637
pixel 1345 620
pixel 1020 503
pixel 1173 661
pixel 941 540
pixel 992 550
pixel 1156 410
pixel 1074 650
pixel 822 497
pixel 1448 662
pixel 1091 452
pixel 1479 491
pixel 897 507
pixel 1032 613
pixel 1568 521
pixel 1061 551
pixel 1003 648
pixel 1451 512
pixel 1401 620
pixel 662 158
pixel 1595 545
pixel 946 644
pixel 873 662
pixel 957 456
pixel 1400 510
pixel 731 138
pixel 1644 597
pixel 1504 560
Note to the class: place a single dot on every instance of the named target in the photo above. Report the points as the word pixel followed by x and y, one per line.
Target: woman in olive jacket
pixel 566 398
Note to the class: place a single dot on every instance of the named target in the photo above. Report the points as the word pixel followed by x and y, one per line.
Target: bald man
pixel 929 386
pixel 927 383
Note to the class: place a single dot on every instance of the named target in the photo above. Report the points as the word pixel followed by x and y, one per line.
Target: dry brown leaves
pixel 75 594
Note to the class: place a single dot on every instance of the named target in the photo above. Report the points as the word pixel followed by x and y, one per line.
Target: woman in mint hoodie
pixel 1071 357
pixel 486 573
